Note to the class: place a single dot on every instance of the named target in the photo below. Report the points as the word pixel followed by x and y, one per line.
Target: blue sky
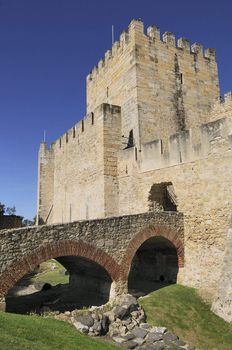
pixel 47 47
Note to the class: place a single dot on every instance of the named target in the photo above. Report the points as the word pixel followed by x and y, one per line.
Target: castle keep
pixel 157 137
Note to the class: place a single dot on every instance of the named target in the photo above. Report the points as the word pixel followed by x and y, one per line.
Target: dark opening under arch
pixel 88 284
pixel 154 265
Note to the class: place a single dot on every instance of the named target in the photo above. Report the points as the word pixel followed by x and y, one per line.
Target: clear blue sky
pixel 47 47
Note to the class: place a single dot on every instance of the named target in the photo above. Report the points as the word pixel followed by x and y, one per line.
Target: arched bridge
pixel 111 243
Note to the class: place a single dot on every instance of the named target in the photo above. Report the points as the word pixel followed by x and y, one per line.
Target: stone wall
pixel 202 186
pixel 162 87
pixel 223 302
pixel 78 169
pixel 111 243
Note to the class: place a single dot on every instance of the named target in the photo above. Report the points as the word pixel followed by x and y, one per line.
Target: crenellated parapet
pixel 152 34
pixel 212 138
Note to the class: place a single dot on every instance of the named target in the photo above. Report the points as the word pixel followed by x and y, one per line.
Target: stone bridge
pixel 110 243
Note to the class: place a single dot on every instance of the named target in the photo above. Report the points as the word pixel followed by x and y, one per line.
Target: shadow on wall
pixel 84 283
pixel 162 197
pixel 154 266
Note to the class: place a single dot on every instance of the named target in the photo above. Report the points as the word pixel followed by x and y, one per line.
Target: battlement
pixel 224 101
pixel 84 126
pixel 187 146
pixel 128 38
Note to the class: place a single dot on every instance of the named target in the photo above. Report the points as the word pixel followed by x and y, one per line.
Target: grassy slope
pixel 46 274
pixel 37 333
pixel 182 311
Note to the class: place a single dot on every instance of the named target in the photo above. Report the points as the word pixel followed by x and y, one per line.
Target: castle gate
pixel 111 243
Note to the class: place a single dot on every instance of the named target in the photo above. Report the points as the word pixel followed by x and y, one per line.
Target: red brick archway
pixel 21 267
pixel 143 236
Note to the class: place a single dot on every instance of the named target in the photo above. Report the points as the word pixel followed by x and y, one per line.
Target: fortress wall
pixel 45 189
pixel 177 85
pixel 161 87
pixel 223 109
pixel 203 189
pixel 76 188
pixel 78 174
pixel 222 305
pixel 112 145
pixel 113 81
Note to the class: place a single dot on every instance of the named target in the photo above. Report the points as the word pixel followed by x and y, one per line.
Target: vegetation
pixel 33 333
pixel 50 272
pixel 8 210
pixel 183 312
pixel 12 212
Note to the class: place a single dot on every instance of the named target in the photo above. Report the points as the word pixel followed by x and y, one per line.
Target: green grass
pixel 183 312
pixel 37 333
pixel 45 274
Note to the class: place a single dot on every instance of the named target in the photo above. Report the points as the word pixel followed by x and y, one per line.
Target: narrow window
pixel 136 154
pixel 161 147
pixel 74 132
pixel 181 78
pixel 82 126
pixel 60 143
pixel 92 116
pixel 66 137
pixel 107 92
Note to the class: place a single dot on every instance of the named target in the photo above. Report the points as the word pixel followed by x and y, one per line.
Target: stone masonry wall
pixel 74 173
pixel 161 88
pixel 202 185
pixel 111 243
pixel 223 302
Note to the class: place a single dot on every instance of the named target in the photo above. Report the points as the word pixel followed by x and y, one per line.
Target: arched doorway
pixel 154 265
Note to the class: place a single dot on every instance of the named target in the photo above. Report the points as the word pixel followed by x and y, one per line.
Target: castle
pixel 157 137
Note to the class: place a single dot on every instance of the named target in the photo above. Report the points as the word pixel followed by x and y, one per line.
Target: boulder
pixel 131 344
pixel 80 327
pixel 139 332
pixel 86 320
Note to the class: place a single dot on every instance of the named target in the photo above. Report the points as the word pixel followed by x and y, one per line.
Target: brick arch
pixel 21 267
pixel 144 235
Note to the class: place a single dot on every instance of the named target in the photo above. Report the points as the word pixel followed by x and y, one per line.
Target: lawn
pixel 51 272
pixel 183 312
pixel 38 333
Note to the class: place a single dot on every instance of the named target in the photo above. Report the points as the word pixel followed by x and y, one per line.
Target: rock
pixel 111 315
pixel 131 344
pixel 67 313
pixel 105 324
pixel 119 340
pixel 139 332
pixel 169 337
pixel 120 312
pixel 127 305
pixel 152 337
pixel 139 341
pixel 145 326
pixel 80 327
pixel 129 336
pixel 127 321
pixel 161 330
pixel 159 345
pixel 149 347
pixel 128 300
pixel 97 327
pixel 86 320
